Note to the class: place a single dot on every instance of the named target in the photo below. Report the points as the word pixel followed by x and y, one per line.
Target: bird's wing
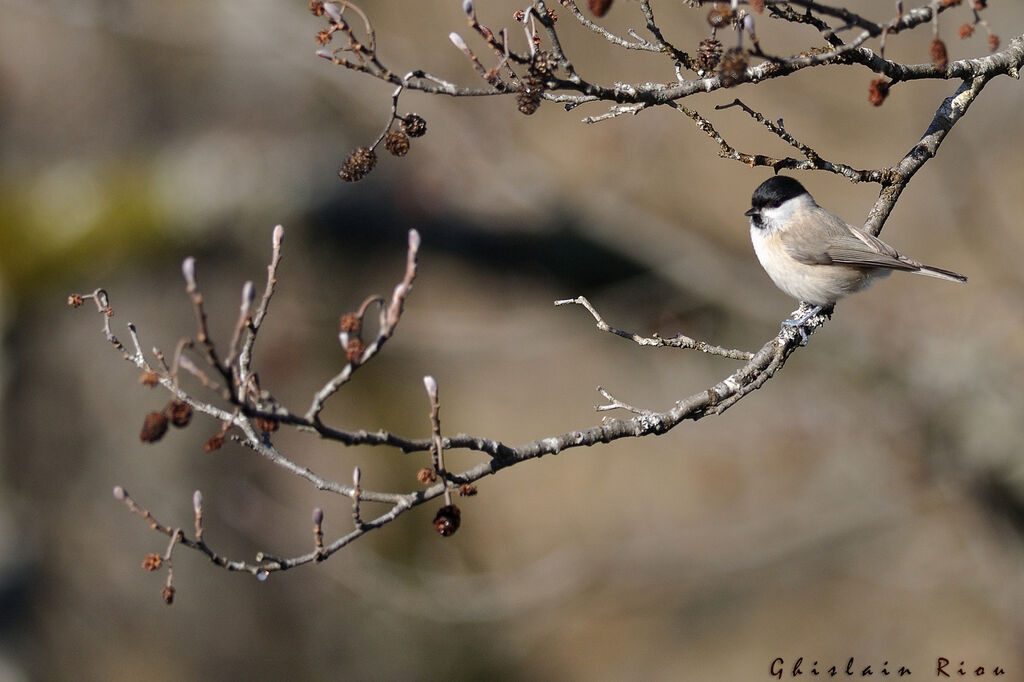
pixel 847 245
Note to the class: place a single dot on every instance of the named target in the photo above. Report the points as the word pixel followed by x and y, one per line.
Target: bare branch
pixel 677 341
pixel 389 322
pixel 541 69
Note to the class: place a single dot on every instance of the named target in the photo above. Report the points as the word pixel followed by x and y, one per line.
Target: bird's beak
pixel 751 212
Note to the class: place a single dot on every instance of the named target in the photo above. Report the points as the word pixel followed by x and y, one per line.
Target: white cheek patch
pixel 775 218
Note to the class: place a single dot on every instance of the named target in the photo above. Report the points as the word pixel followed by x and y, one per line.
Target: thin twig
pixel 677 341
pixel 391 316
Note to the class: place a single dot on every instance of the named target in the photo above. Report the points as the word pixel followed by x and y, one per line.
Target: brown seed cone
pixel 733 69
pixel 179 412
pixel 397 143
pixel 447 520
pixel 414 125
pixel 360 162
pixel 154 428
pixel 878 91
pixel 528 99
pixel 709 53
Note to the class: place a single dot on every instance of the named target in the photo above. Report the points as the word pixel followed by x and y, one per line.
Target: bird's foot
pixel 802 316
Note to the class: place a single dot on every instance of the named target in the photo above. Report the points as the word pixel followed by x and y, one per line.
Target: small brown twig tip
pixel 214 443
pixel 937 49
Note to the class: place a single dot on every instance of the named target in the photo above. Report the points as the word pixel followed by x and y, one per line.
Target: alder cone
pixel 599 7
pixel 154 427
pixel 447 520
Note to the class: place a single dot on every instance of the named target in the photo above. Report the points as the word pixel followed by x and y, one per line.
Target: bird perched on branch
pixel 814 255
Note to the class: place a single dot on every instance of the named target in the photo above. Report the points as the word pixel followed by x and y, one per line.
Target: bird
pixel 814 255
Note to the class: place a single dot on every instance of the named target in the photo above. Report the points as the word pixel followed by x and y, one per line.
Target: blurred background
pixel 868 502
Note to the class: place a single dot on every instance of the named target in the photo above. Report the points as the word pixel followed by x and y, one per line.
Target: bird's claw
pixel 800 320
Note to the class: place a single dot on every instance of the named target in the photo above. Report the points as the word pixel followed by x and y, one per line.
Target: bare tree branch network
pixel 521 57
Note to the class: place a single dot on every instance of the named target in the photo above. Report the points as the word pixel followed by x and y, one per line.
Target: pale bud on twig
pixel 458 42
pixel 197 506
pixel 324 53
pixel 431 385
pixel 119 493
pixel 467 7
pixel 395 309
pixel 414 240
pixel 332 11
pixel 248 295
pixel 188 271
pixel 278 236
pixel 318 516
pixel 357 477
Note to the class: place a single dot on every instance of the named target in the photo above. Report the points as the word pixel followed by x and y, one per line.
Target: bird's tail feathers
pixel 941 274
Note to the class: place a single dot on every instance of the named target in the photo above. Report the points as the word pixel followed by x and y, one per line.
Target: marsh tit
pixel 815 256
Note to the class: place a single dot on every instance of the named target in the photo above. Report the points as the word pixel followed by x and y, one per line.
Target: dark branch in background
pixel 525 59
